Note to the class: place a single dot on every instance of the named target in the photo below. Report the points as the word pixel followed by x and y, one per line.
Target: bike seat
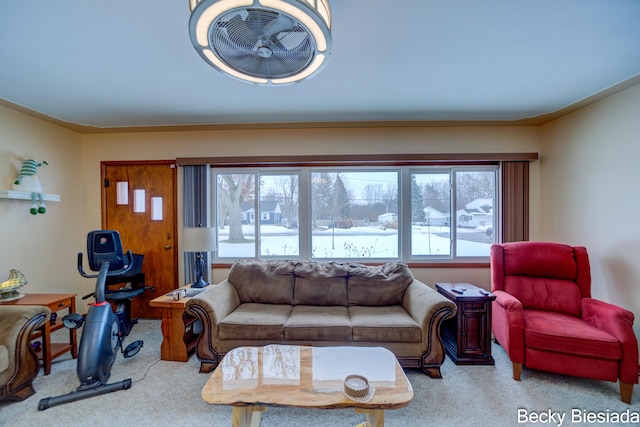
pixel 123 294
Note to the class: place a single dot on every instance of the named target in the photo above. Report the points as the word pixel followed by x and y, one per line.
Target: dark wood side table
pixel 55 302
pixel 179 339
pixel 467 337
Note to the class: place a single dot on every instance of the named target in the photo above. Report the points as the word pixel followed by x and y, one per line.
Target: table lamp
pixel 199 240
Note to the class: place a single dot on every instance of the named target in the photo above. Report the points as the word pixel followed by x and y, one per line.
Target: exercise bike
pixel 104 330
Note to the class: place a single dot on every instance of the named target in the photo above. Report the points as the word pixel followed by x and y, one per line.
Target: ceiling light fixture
pixel 266 42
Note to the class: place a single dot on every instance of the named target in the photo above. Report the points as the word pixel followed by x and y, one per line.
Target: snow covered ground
pixel 356 242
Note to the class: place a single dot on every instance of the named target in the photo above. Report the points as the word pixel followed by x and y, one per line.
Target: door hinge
pixel 106 183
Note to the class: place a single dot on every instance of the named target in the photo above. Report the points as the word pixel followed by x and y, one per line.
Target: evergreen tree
pixel 417 202
pixel 321 194
pixel 341 198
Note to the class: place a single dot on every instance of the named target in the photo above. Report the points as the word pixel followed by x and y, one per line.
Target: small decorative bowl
pixel 356 386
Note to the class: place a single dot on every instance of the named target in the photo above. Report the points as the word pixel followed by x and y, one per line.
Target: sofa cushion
pixel 318 323
pixel 268 282
pixel 379 285
pixel 383 323
pixel 255 321
pixel 320 283
pixel 562 333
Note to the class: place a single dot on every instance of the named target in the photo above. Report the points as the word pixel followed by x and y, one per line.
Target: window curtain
pixel 515 201
pixel 196 211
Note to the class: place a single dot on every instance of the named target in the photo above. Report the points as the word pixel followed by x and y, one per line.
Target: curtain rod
pixel 357 159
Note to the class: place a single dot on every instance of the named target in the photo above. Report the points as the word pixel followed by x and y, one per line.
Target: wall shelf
pixel 25 195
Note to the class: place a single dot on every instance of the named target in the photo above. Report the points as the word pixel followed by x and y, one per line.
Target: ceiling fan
pixel 265 42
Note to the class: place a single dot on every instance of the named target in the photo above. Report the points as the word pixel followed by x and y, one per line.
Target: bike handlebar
pixel 103 274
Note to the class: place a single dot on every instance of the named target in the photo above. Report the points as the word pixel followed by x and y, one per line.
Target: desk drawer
pixel 59 305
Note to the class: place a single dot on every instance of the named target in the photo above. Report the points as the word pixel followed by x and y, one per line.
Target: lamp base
pixel 198 269
pixel 200 283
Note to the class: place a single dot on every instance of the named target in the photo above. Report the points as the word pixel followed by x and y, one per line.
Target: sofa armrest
pixel 218 300
pixel 429 308
pixel 14 318
pixel 618 322
pixel 17 324
pixel 507 324
pixel 210 307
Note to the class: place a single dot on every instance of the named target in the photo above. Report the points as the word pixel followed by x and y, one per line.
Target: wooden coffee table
pixel 251 378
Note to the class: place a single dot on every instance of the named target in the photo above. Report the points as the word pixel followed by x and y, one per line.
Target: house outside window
pixel 356 214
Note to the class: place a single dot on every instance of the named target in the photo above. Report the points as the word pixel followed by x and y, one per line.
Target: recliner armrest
pixel 606 316
pixel 508 324
pixel 618 322
pixel 507 301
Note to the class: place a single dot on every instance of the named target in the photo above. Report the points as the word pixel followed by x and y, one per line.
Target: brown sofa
pixel 19 365
pixel 322 304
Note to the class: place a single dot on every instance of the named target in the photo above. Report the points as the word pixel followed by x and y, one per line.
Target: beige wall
pixel 582 189
pixel 169 145
pixel 43 247
pixel 590 175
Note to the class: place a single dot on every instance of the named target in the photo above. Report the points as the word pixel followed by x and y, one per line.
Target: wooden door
pixel 139 201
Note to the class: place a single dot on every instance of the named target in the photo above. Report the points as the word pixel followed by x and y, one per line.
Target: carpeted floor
pixel 168 394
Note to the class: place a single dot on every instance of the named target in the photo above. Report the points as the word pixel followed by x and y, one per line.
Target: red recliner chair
pixel 544 316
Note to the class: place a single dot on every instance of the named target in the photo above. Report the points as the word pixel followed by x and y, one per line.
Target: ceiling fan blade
pixel 277 25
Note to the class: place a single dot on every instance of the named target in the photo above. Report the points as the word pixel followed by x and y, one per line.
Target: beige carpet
pixel 168 394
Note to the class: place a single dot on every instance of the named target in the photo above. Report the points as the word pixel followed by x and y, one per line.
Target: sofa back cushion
pixel 267 282
pixel 378 285
pixel 320 283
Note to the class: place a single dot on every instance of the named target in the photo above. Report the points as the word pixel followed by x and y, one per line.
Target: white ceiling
pixel 129 63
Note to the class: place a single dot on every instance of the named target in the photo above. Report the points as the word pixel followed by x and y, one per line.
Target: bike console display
pixel 105 246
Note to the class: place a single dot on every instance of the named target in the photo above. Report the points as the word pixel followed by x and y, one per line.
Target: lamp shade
pixel 199 239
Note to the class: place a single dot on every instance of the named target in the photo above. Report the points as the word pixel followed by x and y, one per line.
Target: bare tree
pixel 234 190
pixel 373 193
pixel 390 198
pixel 474 185
pixel 437 194
pixel 287 194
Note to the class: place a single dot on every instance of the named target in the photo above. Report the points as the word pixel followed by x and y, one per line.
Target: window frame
pixel 512 200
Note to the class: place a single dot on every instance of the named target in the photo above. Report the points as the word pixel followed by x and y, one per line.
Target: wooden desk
pixel 55 302
pixel 248 378
pixel 179 340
